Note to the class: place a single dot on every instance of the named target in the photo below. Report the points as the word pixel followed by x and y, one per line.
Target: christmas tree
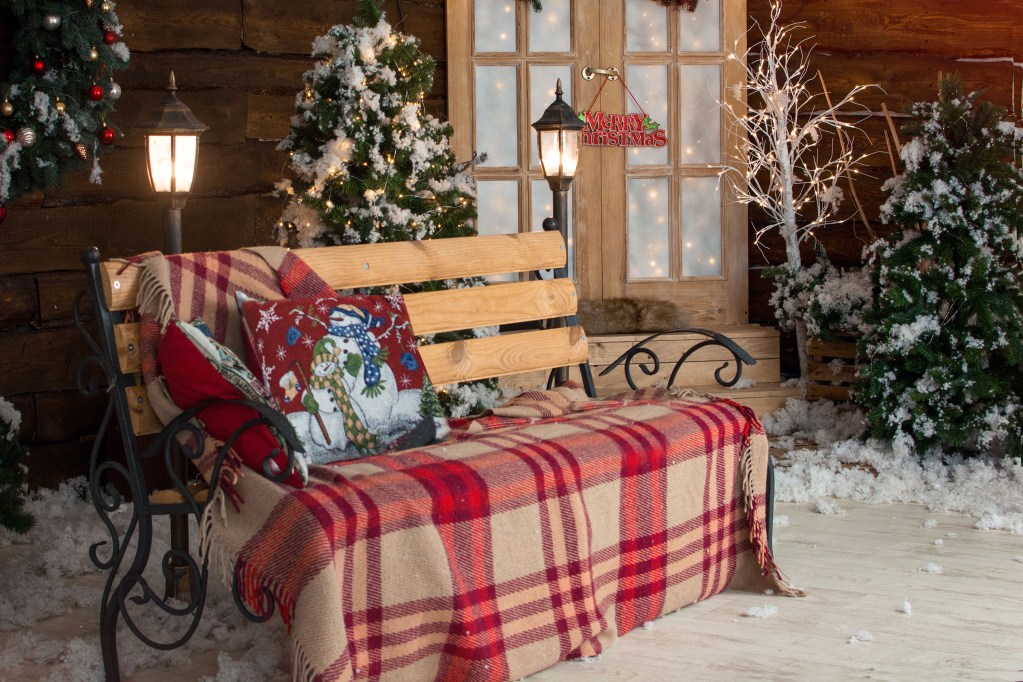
pixel 945 369
pixel 12 473
pixel 371 165
pixel 59 92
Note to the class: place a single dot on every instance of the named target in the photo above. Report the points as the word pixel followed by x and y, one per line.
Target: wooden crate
pixel 822 381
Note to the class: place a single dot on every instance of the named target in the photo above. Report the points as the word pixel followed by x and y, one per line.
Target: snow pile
pixel 829 507
pixel 861 636
pixel 781 520
pixel 930 567
pixel 843 466
pixel 939 541
pixel 765 611
pixel 42 564
pixel 906 608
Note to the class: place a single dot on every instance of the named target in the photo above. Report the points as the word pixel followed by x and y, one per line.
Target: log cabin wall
pixel 902 46
pixel 239 64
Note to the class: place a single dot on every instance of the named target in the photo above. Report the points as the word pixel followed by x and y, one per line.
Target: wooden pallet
pixel 822 381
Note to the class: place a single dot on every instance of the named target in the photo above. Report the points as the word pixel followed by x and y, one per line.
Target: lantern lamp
pixel 172 146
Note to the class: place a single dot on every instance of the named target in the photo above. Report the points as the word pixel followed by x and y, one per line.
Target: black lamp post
pixel 559 136
pixel 172 145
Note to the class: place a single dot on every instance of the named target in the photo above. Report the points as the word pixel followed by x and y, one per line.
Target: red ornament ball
pixel 109 37
pixel 3 213
pixel 95 93
pixel 9 136
pixel 107 135
pixel 38 65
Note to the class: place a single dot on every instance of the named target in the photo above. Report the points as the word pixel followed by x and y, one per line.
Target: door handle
pixel 589 73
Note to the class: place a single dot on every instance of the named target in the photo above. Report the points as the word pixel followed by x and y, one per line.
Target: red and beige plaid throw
pixel 504 551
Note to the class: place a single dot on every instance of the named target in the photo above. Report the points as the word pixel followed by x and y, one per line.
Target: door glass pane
pixel 496 115
pixel 700 87
pixel 551 29
pixel 701 227
pixel 649 228
pixel 646 27
pixel 649 85
pixel 542 82
pixel 542 206
pixel 497 203
pixel 495 25
pixel 700 31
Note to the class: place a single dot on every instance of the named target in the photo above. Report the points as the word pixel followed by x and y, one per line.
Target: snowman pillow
pixel 345 371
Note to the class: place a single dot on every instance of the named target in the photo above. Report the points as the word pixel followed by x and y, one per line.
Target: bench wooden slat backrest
pixel 350 267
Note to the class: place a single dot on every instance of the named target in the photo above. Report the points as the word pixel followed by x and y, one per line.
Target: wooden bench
pixel 556 341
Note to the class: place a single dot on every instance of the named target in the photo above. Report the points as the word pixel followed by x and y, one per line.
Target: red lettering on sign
pixel 620 130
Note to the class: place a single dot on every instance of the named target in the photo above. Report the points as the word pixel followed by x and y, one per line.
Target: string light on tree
pixel 797 151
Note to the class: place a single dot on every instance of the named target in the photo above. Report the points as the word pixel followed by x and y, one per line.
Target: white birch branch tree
pixel 797 145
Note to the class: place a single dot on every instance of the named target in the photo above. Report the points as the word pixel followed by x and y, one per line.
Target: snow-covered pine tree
pixel 371 165
pixel 945 359
pixel 12 473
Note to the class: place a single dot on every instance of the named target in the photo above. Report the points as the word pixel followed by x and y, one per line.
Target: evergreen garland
pixel 945 368
pixel 12 473
pixel 371 165
pixel 59 93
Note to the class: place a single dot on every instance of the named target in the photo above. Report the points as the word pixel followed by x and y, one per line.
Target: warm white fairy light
pixel 785 170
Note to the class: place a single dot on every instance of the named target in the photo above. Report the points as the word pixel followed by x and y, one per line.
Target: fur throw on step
pixel 629 315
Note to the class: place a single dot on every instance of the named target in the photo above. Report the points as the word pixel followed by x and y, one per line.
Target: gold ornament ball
pixel 60 106
pixel 93 54
pixel 82 151
pixel 6 108
pixel 51 22
pixel 88 4
pixel 105 6
pixel 27 137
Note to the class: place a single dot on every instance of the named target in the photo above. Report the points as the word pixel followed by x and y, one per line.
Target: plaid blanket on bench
pixel 504 551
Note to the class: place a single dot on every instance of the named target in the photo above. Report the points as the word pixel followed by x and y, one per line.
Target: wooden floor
pixel 966 621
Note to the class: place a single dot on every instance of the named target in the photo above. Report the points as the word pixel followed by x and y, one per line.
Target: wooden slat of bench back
pixel 429 312
pixel 366 265
pixel 433 312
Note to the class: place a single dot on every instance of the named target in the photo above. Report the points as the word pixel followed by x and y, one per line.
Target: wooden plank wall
pixel 902 46
pixel 238 65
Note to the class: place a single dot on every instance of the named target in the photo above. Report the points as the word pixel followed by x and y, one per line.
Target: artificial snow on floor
pixel 845 466
pixel 53 575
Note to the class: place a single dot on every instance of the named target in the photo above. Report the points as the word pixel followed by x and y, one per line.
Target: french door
pixel 655 222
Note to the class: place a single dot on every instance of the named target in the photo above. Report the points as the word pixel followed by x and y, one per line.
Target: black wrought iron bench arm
pixel 650 364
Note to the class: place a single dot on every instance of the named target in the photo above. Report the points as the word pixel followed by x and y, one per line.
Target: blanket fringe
pixel 302 669
pixel 757 522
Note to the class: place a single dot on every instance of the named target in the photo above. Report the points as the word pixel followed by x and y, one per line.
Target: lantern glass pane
pixel 550 153
pixel 701 227
pixel 570 157
pixel 160 170
pixel 185 148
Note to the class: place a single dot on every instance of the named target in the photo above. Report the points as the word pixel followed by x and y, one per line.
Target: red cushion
pixel 193 379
